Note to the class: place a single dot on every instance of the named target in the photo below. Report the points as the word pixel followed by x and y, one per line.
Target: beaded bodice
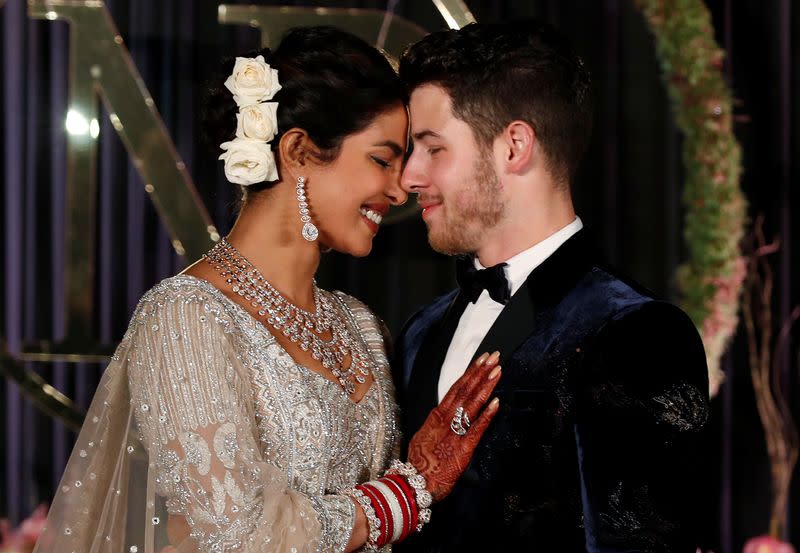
pixel 307 425
pixel 204 435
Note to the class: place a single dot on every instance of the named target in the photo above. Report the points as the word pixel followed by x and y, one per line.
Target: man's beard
pixel 475 208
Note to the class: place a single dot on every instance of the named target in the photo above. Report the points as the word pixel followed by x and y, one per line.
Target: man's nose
pixel 413 178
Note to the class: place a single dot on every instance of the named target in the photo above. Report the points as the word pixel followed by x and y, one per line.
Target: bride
pixel 246 409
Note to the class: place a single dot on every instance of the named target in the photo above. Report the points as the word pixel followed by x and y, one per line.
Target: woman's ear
pixel 296 150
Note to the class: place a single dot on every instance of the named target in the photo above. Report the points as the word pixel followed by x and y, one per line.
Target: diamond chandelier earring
pixel 310 231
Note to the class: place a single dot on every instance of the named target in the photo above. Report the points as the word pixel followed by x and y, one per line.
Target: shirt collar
pixel 519 267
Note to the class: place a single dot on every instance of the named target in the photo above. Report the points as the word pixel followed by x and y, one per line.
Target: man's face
pixel 454 176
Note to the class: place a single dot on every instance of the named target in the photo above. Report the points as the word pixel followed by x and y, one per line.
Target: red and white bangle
pixel 383 513
pixel 373 522
pixel 410 496
pixel 417 482
pixel 395 505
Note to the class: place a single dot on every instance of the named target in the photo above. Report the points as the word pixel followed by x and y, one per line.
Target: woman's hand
pixel 443 447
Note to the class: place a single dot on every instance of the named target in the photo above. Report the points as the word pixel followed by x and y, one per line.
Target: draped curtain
pixel 628 192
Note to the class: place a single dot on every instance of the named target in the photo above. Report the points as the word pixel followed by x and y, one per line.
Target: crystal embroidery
pixel 308 432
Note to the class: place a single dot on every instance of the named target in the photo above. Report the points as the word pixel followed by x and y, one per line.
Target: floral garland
pixel 711 279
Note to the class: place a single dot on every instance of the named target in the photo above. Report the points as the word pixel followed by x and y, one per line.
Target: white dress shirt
pixel 479 317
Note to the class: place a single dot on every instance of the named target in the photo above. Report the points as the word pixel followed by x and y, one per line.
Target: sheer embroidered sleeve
pixel 193 406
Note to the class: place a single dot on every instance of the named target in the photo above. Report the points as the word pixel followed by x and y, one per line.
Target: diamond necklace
pixel 300 326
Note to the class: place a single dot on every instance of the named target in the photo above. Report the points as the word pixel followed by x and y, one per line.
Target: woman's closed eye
pixel 382 162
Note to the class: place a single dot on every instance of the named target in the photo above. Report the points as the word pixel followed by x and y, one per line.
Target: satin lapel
pixel 512 327
pixel 422 387
pixel 544 287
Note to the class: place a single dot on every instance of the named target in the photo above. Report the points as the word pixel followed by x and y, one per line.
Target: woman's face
pixel 349 196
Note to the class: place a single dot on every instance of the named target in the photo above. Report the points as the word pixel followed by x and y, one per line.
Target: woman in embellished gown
pixel 246 409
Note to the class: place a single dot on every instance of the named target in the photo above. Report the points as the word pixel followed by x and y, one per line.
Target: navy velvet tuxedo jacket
pixel 603 407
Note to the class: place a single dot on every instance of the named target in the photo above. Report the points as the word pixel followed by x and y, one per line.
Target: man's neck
pixel 523 229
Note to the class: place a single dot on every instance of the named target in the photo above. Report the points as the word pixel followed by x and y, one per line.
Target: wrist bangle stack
pixel 395 505
pixel 417 482
pixel 373 522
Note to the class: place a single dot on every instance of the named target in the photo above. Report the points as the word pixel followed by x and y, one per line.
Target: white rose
pixel 252 81
pixel 248 161
pixel 258 121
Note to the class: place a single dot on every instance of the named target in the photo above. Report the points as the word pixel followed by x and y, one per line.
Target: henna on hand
pixel 438 453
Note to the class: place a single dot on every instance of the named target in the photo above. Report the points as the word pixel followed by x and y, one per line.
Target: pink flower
pixel 32 527
pixel 767 544
pixel 23 539
pixel 5 535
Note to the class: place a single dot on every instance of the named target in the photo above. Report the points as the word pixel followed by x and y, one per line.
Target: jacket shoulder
pixel 430 312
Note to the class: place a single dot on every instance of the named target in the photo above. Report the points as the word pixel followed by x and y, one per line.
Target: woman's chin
pixel 362 252
pixel 361 248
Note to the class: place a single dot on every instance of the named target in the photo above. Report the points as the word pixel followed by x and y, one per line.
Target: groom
pixel 603 398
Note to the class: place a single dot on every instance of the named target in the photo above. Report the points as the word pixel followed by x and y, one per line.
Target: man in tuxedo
pixel 603 394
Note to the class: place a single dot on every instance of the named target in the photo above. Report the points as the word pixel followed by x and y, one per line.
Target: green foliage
pixel 692 62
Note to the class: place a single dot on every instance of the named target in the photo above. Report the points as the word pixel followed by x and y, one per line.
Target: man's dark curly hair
pixel 502 72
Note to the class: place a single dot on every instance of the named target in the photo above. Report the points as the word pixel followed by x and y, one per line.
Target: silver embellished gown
pixel 205 435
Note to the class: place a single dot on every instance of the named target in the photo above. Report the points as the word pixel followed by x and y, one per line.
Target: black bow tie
pixel 473 281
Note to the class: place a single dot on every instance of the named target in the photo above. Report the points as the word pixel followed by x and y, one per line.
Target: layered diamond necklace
pixel 298 325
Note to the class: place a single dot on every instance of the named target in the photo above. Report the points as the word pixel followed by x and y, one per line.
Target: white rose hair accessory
pixel 252 81
pixel 248 157
pixel 248 161
pixel 258 121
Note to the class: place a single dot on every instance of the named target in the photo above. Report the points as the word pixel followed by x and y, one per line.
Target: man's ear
pixel 518 141
pixel 296 150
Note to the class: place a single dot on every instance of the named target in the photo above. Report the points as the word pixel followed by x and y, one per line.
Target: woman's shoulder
pixel 356 307
pixel 181 300
pixel 370 324
pixel 350 301
pixel 183 310
pixel 176 293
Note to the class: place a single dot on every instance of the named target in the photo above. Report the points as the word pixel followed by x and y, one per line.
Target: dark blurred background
pixel 628 194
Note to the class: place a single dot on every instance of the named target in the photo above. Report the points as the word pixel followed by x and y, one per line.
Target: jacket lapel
pixel 545 287
pixel 424 381
pixel 513 325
